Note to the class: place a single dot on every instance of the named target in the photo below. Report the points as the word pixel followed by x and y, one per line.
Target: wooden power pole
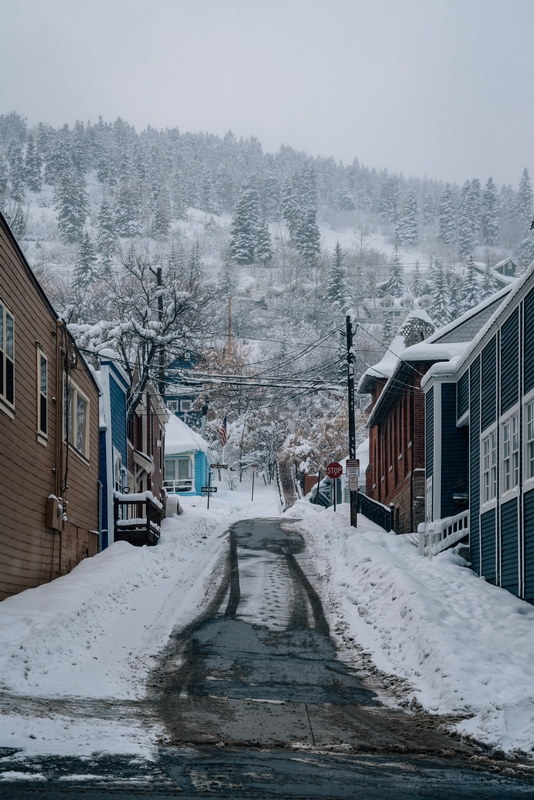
pixel 352 421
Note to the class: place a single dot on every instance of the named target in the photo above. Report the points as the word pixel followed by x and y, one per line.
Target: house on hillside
pixel 49 454
pixel 187 459
pixel 397 463
pixel 487 395
pixel 504 273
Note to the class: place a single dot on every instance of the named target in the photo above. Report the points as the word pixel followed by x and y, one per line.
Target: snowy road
pixel 231 684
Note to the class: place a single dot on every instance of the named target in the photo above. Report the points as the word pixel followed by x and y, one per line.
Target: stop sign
pixel 334 470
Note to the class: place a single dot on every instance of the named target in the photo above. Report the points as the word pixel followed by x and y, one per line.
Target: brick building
pixel 396 471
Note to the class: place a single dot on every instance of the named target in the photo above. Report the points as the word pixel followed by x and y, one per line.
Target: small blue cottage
pixel 114 385
pixel 187 459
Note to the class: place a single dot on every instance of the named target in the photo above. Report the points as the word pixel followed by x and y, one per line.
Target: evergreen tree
pixel 395 284
pixel 179 210
pixel 16 171
pixel 453 292
pixel 3 178
pixel 470 291
pixel 490 215
pixel 489 283
pixel 406 230
pixel 338 287
pixel 429 209
pixel 389 202
pixel 86 271
pixel 107 238
pixel 264 250
pixel 71 206
pixel 524 199
pixel 418 285
pixel 271 198
pixel 290 208
pixel 439 308
pixel 161 222
pixel 308 238
pixel 244 227
pixel 447 224
pixel 127 210
pixel 32 167
pixel 525 251
pixel 467 231
pixel 388 329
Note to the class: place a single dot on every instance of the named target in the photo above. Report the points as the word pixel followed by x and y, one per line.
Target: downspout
pixel 110 477
pixel 411 400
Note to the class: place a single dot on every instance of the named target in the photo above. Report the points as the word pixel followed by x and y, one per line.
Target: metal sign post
pixel 253 473
pixel 334 470
pixel 353 474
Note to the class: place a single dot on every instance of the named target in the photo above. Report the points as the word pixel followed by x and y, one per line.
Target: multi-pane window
pixel 510 453
pixel 489 467
pixel 42 393
pixel 530 440
pixel 7 355
pixel 76 416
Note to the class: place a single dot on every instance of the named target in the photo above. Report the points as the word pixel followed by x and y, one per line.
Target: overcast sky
pixel 436 87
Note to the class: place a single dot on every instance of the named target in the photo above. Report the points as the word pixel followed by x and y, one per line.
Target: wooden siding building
pixel 491 391
pixel 48 434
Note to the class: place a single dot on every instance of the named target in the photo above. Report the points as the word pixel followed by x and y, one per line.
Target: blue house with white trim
pixel 187 459
pixel 480 429
pixel 114 386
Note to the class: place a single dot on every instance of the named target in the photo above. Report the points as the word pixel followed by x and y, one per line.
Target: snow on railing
pixel 442 533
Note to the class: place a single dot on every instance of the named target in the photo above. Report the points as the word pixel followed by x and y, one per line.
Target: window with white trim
pixel 489 467
pixel 530 440
pixel 510 453
pixel 7 356
pixel 185 405
pixel 42 394
pixel 76 417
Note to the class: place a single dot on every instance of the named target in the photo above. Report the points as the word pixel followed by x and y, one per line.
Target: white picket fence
pixel 442 533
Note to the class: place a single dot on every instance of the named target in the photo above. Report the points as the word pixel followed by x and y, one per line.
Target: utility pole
pixel 229 324
pixel 352 422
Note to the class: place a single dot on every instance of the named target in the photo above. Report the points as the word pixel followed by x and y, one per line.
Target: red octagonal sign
pixel 334 470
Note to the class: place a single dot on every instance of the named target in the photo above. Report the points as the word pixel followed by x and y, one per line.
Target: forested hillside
pixel 113 220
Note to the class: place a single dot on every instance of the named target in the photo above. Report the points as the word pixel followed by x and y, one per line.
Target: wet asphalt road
pixel 256 704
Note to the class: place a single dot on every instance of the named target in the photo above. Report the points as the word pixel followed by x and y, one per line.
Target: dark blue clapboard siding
pixel 463 394
pixel 489 384
pixel 529 342
pixel 429 428
pixel 103 478
pixel 454 452
pixel 510 362
pixel 529 545
pixel 487 538
pixel 474 478
pixel 117 396
pixel 510 547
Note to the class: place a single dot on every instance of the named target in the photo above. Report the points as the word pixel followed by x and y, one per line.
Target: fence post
pixel 392 517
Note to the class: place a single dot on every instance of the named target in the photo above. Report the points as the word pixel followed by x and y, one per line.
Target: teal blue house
pixel 480 445
pixel 187 459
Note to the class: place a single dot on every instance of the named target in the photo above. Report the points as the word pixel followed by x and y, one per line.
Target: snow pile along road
pixel 464 645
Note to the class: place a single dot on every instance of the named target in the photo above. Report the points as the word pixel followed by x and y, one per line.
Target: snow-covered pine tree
pixel 488 284
pixel 470 291
pixel 454 286
pixel 32 167
pixel 127 210
pixel 524 200
pixel 264 250
pixel 307 238
pixel 290 208
pixel 406 229
pixel 447 222
pixel 271 198
pixel 15 161
pixel 417 285
pixel 467 228
pixel 429 209
pixel 389 202
pixel 179 210
pixel 3 178
pixel 245 226
pixel 338 286
pixel 86 268
pixel 388 329
pixel 161 219
pixel 525 251
pixel 71 205
pixel 439 308
pixel 490 215
pixel 107 238
pixel 395 284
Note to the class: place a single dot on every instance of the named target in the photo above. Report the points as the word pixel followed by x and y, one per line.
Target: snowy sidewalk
pixel 465 646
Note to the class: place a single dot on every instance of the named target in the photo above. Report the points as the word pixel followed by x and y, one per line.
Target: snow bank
pixel 464 645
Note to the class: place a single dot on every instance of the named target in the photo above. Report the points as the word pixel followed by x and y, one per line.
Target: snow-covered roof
pixel 180 438
pixel 386 366
pixel 508 294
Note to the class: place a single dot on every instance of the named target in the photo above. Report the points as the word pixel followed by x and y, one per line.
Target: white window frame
pixel 186 410
pixel 528 481
pixel 70 426
pixel 7 404
pixel 488 467
pixel 42 435
pixel 172 405
pixel 510 453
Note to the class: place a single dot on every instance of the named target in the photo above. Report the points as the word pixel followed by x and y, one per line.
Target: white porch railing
pixel 442 533
pixel 184 485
